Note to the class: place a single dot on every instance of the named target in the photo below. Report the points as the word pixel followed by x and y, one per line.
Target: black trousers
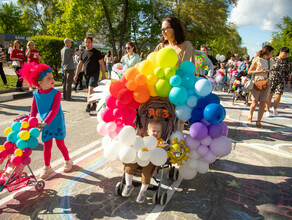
pixel 2 73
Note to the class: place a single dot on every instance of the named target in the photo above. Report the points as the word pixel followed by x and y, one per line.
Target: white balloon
pixel 218 78
pixel 111 151
pixel 139 143
pixel 194 155
pixel 203 167
pixel 106 140
pixel 98 116
pixel 187 173
pixel 192 101
pixel 206 141
pixel 178 134
pixel 193 164
pixel 158 156
pixel 142 163
pixel 144 155
pixel 127 136
pixel 127 154
pixel 222 58
pixel 218 57
pixel 150 142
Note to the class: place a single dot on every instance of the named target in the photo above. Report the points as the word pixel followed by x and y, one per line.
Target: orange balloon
pixel 140 80
pixel 141 94
pixel 131 73
pixel 131 85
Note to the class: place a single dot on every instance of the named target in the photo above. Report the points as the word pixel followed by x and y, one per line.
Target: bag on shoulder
pixel 15 63
pixel 261 85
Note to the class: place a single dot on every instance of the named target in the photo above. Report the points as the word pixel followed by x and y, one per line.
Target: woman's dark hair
pixel 179 33
pixel 265 51
pixel 132 45
pixel 284 49
pixel 108 54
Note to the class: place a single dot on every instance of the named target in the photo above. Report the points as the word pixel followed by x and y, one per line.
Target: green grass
pixel 11 82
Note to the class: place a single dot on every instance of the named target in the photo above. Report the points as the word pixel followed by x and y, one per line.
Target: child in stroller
pixel 240 92
pixel 158 116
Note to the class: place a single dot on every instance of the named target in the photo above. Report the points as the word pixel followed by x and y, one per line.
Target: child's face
pixel 47 82
pixel 222 65
pixel 155 130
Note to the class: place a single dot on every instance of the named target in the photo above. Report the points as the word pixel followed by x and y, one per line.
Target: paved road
pixel 253 182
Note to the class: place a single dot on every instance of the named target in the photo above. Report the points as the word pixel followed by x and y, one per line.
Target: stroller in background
pixel 161 109
pixel 240 91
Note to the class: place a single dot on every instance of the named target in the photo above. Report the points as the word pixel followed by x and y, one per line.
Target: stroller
pixel 14 178
pixel 161 109
pixel 240 91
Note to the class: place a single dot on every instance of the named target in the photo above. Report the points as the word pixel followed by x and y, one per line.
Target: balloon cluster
pixel 220 58
pixel 236 82
pixel 21 139
pixel 219 76
pixel 129 148
pixel 200 59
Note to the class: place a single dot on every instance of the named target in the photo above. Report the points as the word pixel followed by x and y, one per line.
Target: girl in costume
pixel 47 102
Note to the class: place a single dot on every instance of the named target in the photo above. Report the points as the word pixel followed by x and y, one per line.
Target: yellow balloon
pixel 166 57
pixel 137 65
pixel 25 124
pixel 152 58
pixel 169 72
pixel 7 131
pixel 2 148
pixel 24 135
pixel 152 90
pixel 18 152
pixel 146 67
pixel 151 80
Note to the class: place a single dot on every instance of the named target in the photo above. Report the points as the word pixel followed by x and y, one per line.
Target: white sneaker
pixel 267 114
pixel 275 111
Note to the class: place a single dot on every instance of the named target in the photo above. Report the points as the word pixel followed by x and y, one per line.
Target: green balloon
pixel 166 57
pixel 162 87
pixel 169 72
pixel 159 72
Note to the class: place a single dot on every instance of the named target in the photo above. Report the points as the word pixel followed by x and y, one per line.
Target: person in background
pixel 142 56
pixel 109 62
pixel 33 55
pixel 67 54
pixel 81 74
pixel 131 57
pixel 10 49
pixel 205 49
pixel 260 67
pixel 2 62
pixel 116 60
pixel 92 60
pixel 244 65
pixel 280 75
pixel 18 56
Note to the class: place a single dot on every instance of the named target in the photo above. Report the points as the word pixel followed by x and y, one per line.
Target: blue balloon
pixel 212 98
pixel 203 87
pixel 21 144
pixel 34 132
pixel 175 80
pixel 202 103
pixel 16 126
pixel 214 113
pixel 191 92
pixel 178 95
pixel 32 142
pixel 12 137
pixel 192 121
pixel 188 80
pixel 188 67
pixel 197 114
pixel 180 72
pixel 183 112
pixel 192 101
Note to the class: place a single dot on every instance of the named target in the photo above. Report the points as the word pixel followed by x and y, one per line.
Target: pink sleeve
pixel 55 108
pixel 34 108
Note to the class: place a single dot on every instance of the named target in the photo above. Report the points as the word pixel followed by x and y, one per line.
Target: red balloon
pixel 16 160
pixel 118 113
pixel 3 154
pixel 8 145
pixel 125 96
pixel 128 119
pixel 133 104
pixel 106 115
pixel 110 101
pixel 27 152
pixel 33 121
pixel 10 151
pixel 116 87
pixel 120 105
pixel 126 111
pixel 26 160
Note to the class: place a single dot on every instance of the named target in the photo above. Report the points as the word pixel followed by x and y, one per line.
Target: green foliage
pixel 50 49
pixel 283 37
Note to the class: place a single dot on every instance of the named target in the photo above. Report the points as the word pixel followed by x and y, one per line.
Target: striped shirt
pixel 2 56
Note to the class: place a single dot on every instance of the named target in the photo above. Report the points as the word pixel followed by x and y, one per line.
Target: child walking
pixel 154 129
pixel 47 102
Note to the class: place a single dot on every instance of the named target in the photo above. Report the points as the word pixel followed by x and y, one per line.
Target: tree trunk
pixel 123 29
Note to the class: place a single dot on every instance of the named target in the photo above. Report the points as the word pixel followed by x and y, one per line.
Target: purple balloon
pixel 225 129
pixel 202 150
pixel 213 82
pixel 221 146
pixel 210 157
pixel 198 130
pixel 216 130
pixel 191 143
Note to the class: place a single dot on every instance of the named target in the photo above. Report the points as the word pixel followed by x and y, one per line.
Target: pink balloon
pixel 26 160
pixel 101 129
pixel 2 181
pixel 111 126
pixel 118 113
pixel 202 150
pixel 3 154
pixel 33 122
pixel 119 128
pixel 106 115
pixel 112 134
pixel 110 101
pixel 120 105
pixel 8 145
pixel 16 160
pixel 210 157
pixel 119 122
pixel 10 151
pixel 26 152
pixel 126 111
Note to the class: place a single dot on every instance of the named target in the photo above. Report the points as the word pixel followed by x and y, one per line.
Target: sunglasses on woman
pixel 127 48
pixel 165 29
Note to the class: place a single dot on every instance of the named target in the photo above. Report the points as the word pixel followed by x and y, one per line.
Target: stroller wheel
pixel 39 186
pixel 155 198
pixel 175 174
pixel 163 198
pixel 119 188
